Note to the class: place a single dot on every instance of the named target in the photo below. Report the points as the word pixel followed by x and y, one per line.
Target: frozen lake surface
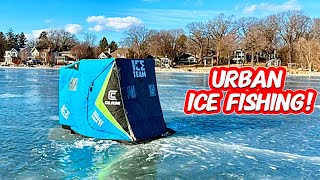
pixel 217 146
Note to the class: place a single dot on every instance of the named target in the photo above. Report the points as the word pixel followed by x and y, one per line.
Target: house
pixel 34 53
pixel 65 57
pixel 45 55
pixel 104 55
pixel 187 59
pixel 156 60
pixel 10 56
pixel 165 62
pixel 25 53
pixel 58 59
pixel 209 60
pixel 274 63
pixel 239 56
pixel 120 53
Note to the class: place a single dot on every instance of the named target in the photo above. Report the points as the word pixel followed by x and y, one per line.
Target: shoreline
pixel 206 70
pixel 27 67
pixel 198 70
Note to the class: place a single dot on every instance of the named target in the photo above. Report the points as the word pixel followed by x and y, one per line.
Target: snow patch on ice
pixel 8 95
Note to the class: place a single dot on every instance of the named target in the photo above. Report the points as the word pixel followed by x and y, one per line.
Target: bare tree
pixel 62 40
pixel 269 27
pixel 137 38
pixel 160 43
pixel 84 51
pixel 174 36
pixel 220 27
pixel 32 43
pixel 250 35
pixel 228 45
pixel 316 28
pixel 308 52
pixel 198 35
pixel 292 26
pixel 90 39
pixel 68 40
pixel 168 43
pixel 181 45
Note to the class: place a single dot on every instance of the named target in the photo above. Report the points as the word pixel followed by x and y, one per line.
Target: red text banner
pixel 249 91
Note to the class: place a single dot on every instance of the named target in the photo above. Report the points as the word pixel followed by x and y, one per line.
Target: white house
pixel 68 54
pixel 274 62
pixel 239 56
pixel 165 62
pixel 65 57
pixel 104 55
pixel 10 55
pixel 34 53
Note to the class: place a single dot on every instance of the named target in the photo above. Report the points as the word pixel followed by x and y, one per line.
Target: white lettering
pixel 231 101
pixel 96 118
pixel 197 101
pixel 65 112
pixel 212 101
pixel 138 68
pixel 112 95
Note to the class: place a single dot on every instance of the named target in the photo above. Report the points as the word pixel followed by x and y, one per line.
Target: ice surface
pixel 220 147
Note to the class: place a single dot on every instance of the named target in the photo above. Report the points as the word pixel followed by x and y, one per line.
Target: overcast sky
pixel 111 18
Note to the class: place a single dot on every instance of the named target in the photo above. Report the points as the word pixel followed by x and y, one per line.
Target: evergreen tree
pixel 10 40
pixel 16 39
pixel 90 53
pixel 2 44
pixel 113 46
pixel 43 41
pixel 103 44
pixel 22 40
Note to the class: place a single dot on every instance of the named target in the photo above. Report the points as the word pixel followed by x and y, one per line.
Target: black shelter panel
pixel 112 100
pixel 140 97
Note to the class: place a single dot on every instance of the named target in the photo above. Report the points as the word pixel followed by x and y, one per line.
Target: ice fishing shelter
pixel 111 99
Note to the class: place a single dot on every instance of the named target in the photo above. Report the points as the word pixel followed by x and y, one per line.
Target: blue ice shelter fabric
pixel 140 97
pixel 111 99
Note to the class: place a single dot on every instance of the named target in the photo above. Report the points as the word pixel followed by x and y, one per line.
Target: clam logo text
pixel 112 95
pixel 138 68
pixel 112 99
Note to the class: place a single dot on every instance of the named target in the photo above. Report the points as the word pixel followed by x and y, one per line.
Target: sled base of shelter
pixel 168 132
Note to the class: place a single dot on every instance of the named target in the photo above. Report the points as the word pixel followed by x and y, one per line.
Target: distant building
pixel 187 59
pixel 165 62
pixel 273 62
pixel 45 55
pixel 104 55
pixel 35 54
pixel 64 57
pixel 25 53
pixel 120 53
pixel 209 60
pixel 10 56
pixel 239 57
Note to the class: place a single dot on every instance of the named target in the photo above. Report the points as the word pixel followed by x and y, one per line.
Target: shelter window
pixel 131 91
pixel 152 90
